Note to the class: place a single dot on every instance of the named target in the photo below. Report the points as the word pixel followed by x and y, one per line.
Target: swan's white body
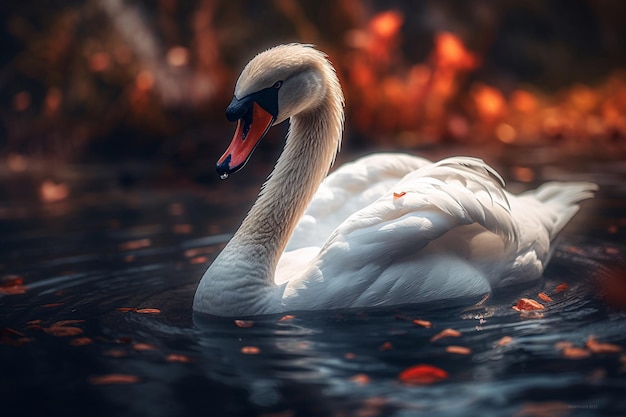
pixel 385 230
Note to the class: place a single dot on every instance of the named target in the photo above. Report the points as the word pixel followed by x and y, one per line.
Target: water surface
pixel 117 264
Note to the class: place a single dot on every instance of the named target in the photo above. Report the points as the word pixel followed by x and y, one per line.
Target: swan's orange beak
pixel 250 131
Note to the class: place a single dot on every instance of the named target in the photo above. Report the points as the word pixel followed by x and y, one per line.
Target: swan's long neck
pixel 309 152
pixel 241 279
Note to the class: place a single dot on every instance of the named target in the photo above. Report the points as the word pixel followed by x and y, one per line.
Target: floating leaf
pixel 505 340
pixel 144 346
pixel 422 375
pixel 63 331
pixel 244 323
pixel 198 260
pixel 114 379
pixel 597 347
pixel 62 328
pixel 115 353
pixel 11 337
pixel 62 323
pixel 446 333
pixel 250 350
pixel 575 353
pixel 561 287
pixel 13 290
pixel 528 304
pixel 10 280
pixel 459 350
pixel 136 244
pixel 191 253
pixel 148 311
pixel 287 317
pixel 349 355
pixel 544 297
pixel 81 341
pixel 360 379
pixel 423 323
pixel 175 357
pixel 126 309
pixel 386 346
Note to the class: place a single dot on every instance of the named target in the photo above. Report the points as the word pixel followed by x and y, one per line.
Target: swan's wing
pixel 375 257
pixel 350 188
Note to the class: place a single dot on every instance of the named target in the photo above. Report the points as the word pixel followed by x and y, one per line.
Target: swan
pixel 387 229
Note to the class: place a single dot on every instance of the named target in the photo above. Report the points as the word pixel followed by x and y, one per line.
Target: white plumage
pixel 387 229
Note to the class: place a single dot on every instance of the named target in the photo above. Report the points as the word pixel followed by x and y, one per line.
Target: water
pixel 123 263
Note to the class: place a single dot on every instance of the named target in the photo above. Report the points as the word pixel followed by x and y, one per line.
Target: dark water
pixel 109 246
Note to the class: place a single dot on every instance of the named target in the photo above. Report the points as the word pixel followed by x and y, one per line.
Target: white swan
pixel 387 229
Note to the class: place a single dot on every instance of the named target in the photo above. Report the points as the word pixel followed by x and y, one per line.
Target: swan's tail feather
pixel 563 198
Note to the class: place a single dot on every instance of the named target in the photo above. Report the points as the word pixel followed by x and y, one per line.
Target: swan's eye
pixel 278 84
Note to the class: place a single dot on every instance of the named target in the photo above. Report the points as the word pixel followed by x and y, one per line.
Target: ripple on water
pixel 327 361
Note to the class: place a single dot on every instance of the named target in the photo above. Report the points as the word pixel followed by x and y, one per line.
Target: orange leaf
pixel 63 331
pixel 460 350
pixel 398 195
pixel 575 353
pixel 545 297
pixel 445 333
pixel 386 346
pixel 198 260
pixel 115 353
pixel 349 355
pixel 148 311
pixel 597 347
pixel 175 357
pixel 561 287
pixel 126 309
pixel 11 281
pixel 422 375
pixel 13 290
pixel 504 341
pixel 114 379
pixel 144 346
pixel 287 317
pixel 360 379
pixel 250 350
pixel 81 341
pixel 528 304
pixel 136 244
pixel 61 328
pixel 62 323
pixel 244 323
pixel 423 323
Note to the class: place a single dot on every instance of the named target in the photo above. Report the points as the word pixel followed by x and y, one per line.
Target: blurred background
pixel 121 82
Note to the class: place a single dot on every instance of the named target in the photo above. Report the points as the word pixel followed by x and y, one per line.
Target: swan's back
pixel 445 230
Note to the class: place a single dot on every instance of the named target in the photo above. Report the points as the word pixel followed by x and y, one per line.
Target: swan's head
pixel 277 84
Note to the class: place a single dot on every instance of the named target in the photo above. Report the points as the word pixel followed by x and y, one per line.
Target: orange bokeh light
pixel 387 24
